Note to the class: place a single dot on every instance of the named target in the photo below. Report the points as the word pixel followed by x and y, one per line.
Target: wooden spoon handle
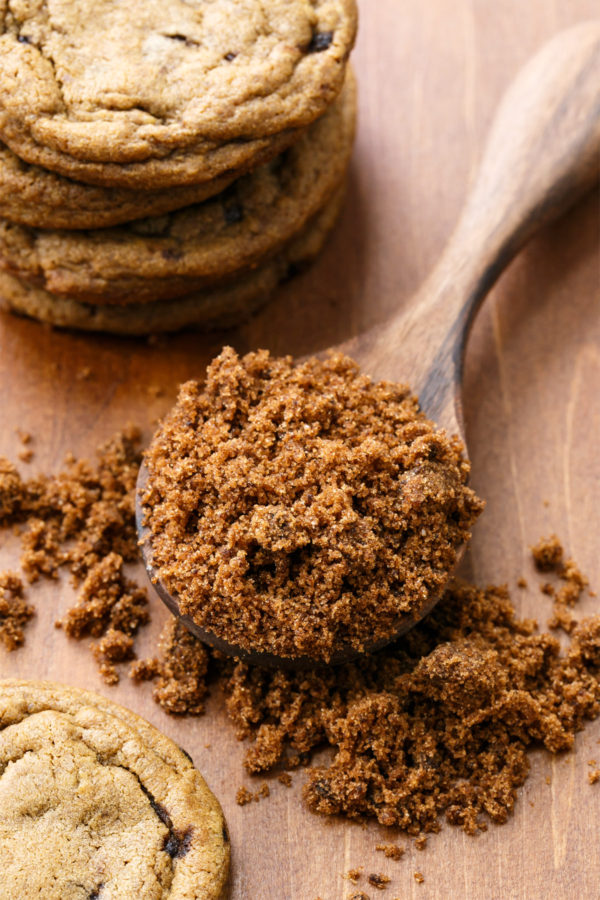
pixel 542 154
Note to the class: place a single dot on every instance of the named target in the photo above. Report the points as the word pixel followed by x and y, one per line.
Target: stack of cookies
pixel 167 162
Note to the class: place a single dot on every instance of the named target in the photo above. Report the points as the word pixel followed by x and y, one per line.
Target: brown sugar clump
pixel 84 519
pixel 548 556
pixel 300 510
pixel 378 881
pixel 391 851
pixel 354 875
pixel 244 796
pixel 181 673
pixel 15 612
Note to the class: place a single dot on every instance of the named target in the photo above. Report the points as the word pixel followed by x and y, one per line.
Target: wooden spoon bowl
pixel 542 155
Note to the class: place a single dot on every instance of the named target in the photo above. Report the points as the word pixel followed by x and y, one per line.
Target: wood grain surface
pixel 430 76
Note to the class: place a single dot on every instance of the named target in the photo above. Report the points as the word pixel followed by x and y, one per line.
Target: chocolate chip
pixel 185 753
pixel 225 833
pixel 320 41
pixel 171 254
pixel 177 843
pixel 23 39
pixel 190 42
pixel 230 56
pixel 233 212
pixel 96 892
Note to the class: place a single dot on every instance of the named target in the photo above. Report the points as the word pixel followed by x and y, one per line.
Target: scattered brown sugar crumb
pixel 421 842
pixel 285 778
pixel 84 519
pixel 391 851
pixel 24 436
pixel 359 896
pixel 435 727
pixel 180 673
pixel 299 509
pixel 419 878
pixel 522 583
pixel 548 554
pixel 244 796
pixel 378 881
pixel 25 455
pixel 354 875
pixel 15 612
pixel 594 775
pixel 115 647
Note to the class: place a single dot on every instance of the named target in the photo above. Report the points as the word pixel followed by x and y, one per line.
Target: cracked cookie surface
pixel 200 245
pixel 96 803
pixel 169 92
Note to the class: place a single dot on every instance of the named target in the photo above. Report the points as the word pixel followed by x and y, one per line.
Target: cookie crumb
pixel 419 878
pixel 25 455
pixel 522 583
pixel 421 842
pixel 285 778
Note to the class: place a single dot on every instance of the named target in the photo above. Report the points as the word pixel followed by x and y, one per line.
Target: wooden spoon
pixel 542 154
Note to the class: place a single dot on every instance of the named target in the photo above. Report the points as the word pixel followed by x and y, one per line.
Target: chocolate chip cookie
pixel 97 803
pixel 197 246
pixel 217 307
pixel 30 195
pixel 163 92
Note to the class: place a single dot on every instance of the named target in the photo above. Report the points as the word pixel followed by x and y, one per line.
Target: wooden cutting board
pixel 430 75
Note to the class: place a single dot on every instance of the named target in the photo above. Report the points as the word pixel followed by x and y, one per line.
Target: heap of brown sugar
pixel 84 519
pixel 303 510
pixel 435 726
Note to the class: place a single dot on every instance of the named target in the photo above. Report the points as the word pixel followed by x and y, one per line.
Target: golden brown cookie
pixel 30 195
pixel 97 803
pixel 194 247
pixel 219 307
pixel 161 92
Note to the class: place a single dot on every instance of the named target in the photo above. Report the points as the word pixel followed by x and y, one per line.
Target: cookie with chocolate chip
pixel 217 307
pixel 30 195
pixel 96 802
pixel 160 92
pixel 199 246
